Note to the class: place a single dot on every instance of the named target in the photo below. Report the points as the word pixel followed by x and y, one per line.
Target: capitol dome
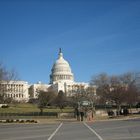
pixel 61 71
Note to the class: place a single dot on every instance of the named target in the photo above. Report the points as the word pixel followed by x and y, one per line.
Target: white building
pixel 61 78
pixel 61 71
pixel 33 90
pixel 18 90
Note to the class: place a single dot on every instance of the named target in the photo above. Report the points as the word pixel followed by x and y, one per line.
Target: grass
pixel 29 111
pixel 19 108
pixel 27 108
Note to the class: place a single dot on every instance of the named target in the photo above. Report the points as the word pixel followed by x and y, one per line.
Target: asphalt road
pixel 105 130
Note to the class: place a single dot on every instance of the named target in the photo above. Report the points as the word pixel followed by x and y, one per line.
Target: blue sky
pixel 95 36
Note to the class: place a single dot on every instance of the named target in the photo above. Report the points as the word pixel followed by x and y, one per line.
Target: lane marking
pixel 99 137
pixel 52 135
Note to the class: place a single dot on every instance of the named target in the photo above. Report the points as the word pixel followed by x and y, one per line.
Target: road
pixel 103 130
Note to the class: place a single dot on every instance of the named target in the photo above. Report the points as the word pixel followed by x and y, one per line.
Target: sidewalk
pixel 95 119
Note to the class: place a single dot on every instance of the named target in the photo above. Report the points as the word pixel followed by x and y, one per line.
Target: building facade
pixel 17 90
pixel 61 78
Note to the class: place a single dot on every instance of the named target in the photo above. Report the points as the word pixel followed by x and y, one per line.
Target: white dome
pixel 61 71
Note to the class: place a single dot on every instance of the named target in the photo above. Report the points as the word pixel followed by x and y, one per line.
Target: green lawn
pixel 25 108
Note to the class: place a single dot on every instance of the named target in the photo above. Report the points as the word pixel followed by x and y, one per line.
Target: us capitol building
pixel 61 78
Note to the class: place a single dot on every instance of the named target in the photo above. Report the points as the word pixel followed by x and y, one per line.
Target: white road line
pixel 51 136
pixel 99 137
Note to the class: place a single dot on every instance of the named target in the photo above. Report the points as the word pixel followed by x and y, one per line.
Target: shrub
pixel 21 121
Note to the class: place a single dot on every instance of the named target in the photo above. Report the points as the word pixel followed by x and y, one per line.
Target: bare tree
pixel 118 89
pixel 100 80
pixel 61 100
pixel 129 80
pixel 102 86
pixel 6 76
pixel 45 98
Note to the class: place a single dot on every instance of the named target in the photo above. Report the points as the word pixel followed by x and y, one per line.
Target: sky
pixel 95 36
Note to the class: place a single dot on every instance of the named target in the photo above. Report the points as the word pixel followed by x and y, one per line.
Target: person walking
pixel 82 114
pixel 77 113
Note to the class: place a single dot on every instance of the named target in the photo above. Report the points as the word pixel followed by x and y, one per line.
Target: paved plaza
pixel 102 130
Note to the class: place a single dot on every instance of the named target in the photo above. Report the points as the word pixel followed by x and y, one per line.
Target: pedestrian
pixel 126 112
pixel 89 115
pixel 77 113
pixel 82 114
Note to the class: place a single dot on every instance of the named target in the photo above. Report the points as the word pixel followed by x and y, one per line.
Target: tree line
pixel 117 89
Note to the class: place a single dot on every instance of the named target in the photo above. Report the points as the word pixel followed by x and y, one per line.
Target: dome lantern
pixel 60 54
